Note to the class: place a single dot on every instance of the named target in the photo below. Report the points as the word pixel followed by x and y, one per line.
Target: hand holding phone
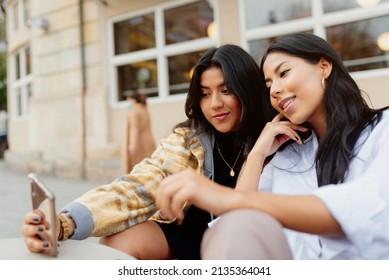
pixel 43 199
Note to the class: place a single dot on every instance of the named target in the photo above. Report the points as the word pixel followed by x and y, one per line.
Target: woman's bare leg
pixel 144 241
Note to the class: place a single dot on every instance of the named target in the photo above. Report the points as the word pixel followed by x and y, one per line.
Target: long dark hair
pixel 138 97
pixel 242 78
pixel 347 112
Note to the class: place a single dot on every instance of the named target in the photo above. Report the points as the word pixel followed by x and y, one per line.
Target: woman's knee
pixel 142 241
pixel 237 221
pixel 248 234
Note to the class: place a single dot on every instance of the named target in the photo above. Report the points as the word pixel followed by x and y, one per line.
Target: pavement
pixel 15 199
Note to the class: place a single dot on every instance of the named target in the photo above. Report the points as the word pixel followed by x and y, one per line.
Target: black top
pixel 230 153
pixel 185 239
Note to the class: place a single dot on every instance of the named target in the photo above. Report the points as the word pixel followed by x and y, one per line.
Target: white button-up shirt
pixel 360 204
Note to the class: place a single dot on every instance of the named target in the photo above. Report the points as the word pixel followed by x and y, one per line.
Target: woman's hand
pixel 35 225
pixel 188 186
pixel 276 133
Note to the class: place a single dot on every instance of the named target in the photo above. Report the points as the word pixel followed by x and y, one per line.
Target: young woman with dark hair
pixel 324 196
pixel 225 117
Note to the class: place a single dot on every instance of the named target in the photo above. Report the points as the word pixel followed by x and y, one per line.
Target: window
pixel 19 14
pixel 180 71
pixel 139 76
pixel 154 50
pixel 134 34
pixel 26 12
pixel 356 42
pixel 333 6
pixel 187 22
pixel 262 13
pixel 22 89
pixel 352 28
pixel 15 13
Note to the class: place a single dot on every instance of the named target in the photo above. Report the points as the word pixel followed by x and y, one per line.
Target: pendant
pixel 232 173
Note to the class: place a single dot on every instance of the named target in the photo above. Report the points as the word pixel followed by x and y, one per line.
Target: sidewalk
pixel 15 199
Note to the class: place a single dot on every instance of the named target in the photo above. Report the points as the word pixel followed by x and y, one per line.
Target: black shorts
pixel 185 239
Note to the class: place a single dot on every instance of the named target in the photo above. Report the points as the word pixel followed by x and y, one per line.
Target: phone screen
pixel 43 199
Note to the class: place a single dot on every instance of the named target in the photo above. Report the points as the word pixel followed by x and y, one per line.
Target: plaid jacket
pixel 130 199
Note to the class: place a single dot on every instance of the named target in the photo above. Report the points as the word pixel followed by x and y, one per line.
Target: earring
pixel 323 83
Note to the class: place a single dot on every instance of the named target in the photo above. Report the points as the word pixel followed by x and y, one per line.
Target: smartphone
pixel 43 199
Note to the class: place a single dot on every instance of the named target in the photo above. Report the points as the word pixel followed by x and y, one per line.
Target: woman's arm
pixel 301 213
pixel 305 213
pixel 275 133
pixel 252 169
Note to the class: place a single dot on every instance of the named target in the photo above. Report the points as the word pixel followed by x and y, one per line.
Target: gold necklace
pixel 232 172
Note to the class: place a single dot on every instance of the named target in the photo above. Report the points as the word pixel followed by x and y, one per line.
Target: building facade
pixel 71 65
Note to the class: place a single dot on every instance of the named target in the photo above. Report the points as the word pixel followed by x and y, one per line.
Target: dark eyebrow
pixel 277 69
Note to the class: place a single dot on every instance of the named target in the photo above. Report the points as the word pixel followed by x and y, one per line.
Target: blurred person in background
pixel 138 137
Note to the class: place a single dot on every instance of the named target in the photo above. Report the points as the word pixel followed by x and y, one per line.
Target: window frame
pixel 23 15
pixel 318 22
pixel 160 53
pixel 20 86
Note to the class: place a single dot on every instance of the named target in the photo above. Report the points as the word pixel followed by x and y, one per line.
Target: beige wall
pixel 118 7
pixel 52 133
pixel 376 89
pixel 228 15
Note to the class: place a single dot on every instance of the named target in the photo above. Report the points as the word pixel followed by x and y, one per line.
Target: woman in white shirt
pixel 321 196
